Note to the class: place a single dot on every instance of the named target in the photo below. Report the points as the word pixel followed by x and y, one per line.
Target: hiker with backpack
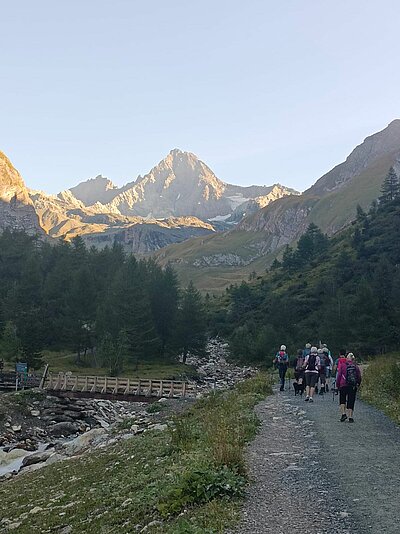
pixel 281 362
pixel 342 357
pixel 326 364
pixel 298 366
pixel 348 379
pixel 322 371
pixel 311 365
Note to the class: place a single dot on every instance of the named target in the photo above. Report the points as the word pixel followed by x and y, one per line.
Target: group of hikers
pixel 314 367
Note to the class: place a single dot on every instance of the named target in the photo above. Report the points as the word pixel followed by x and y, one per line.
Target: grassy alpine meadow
pixel 381 385
pixel 186 479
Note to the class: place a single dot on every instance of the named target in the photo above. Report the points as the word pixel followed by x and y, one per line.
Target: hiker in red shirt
pixel 348 379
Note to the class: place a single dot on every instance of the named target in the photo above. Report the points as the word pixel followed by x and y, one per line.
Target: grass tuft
pixel 381 385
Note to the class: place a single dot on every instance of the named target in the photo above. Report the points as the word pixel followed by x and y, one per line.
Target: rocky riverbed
pixel 38 429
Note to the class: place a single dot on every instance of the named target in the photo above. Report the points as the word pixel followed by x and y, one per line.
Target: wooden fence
pixel 12 380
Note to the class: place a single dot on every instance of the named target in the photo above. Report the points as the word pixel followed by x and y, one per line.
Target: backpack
pixel 281 357
pixel 324 360
pixel 351 375
pixel 311 362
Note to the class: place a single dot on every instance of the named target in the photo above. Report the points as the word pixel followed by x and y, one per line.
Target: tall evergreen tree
pixel 390 188
pixel 10 344
pixel 191 324
pixel 29 315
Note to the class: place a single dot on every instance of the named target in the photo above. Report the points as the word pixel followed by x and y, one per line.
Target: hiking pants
pixel 282 372
pixel 348 393
pixel 322 376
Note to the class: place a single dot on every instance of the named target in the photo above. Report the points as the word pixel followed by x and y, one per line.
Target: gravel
pixel 313 474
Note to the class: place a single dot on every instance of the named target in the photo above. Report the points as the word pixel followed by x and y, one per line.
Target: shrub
pixel 381 385
pixel 201 485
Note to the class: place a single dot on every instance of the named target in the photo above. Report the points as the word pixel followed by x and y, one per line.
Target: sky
pixel 262 91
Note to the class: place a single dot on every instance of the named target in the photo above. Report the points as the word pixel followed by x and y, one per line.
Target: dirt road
pixel 314 474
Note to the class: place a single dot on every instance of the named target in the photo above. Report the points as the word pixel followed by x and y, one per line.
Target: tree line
pixel 344 291
pixel 107 307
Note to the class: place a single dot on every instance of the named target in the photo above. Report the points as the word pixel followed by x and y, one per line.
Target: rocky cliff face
pixel 180 185
pixel 16 209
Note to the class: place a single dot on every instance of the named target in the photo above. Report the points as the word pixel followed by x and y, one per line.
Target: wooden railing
pixel 8 380
pixel 118 386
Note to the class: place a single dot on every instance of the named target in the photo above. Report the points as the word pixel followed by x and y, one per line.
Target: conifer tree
pixel 29 316
pixel 390 188
pixel 164 296
pixel 191 327
pixel 10 344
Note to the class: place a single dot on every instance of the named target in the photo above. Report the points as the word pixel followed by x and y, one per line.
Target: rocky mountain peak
pixel 98 189
pixel 9 176
pixel 16 208
pixel 375 146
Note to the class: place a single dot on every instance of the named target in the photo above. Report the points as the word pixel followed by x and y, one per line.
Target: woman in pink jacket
pixel 348 379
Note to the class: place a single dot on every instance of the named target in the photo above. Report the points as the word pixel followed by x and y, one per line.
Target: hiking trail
pixel 313 474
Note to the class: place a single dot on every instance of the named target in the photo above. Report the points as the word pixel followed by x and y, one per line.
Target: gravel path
pixel 313 474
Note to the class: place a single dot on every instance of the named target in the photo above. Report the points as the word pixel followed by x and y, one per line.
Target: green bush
pixel 381 384
pixel 202 485
pixel 155 407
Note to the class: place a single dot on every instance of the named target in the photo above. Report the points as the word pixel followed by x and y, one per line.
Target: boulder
pixel 83 442
pixel 36 458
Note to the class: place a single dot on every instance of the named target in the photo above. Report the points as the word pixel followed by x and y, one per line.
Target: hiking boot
pixel 281 388
pixel 351 420
pixel 343 418
pixel 307 399
pixel 311 399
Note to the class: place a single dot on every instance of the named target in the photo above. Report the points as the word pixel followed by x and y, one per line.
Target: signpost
pixel 21 370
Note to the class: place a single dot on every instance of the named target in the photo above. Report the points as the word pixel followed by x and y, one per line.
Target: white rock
pixel 36 510
pixel 158 426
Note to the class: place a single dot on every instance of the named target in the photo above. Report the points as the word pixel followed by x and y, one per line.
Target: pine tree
pixel 81 306
pixel 164 296
pixel 390 188
pixel 29 316
pixel 275 265
pixel 142 340
pixel 191 327
pixel 10 344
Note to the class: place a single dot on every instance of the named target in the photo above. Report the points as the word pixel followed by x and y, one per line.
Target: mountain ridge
pixel 179 185
pixel 169 204
pixel 259 237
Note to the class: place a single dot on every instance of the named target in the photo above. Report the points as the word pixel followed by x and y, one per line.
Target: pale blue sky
pixel 262 91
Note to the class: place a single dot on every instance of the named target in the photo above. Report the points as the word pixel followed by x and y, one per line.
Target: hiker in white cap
pixel 281 362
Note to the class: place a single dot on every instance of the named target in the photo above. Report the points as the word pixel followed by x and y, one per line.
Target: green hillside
pixel 257 240
pixel 344 291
